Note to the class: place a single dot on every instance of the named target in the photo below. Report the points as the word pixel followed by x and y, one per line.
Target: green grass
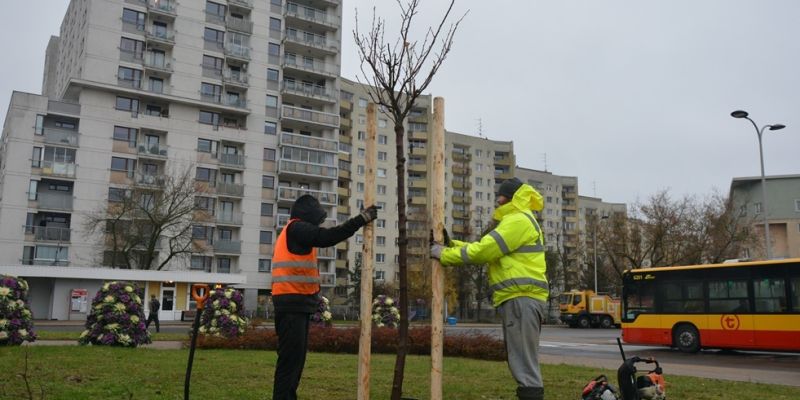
pixel 57 335
pixel 117 373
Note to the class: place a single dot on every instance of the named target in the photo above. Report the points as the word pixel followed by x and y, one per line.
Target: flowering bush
pixel 384 313
pixel 323 314
pixel 16 325
pixel 116 317
pixel 220 315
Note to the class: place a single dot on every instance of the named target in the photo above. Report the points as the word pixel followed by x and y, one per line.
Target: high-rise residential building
pixel 244 94
pixel 782 211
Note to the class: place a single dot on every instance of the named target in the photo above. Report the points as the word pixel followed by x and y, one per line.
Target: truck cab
pixel 585 309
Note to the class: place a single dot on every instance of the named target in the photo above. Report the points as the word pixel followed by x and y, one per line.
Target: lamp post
pixel 594 242
pixel 760 132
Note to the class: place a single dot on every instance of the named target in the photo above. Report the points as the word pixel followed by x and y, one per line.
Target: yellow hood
pixel 525 198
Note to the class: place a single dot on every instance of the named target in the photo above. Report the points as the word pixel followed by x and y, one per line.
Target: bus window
pixel 795 284
pixel 681 297
pixel 770 294
pixel 729 296
pixel 639 300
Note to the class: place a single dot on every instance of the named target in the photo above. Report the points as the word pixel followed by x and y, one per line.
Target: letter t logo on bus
pixel 729 322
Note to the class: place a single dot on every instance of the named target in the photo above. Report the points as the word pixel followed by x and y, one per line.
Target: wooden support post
pixel 367 260
pixel 437 273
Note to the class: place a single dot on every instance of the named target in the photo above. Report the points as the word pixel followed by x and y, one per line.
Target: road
pixel 598 348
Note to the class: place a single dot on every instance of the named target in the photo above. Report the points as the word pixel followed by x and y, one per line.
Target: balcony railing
pixel 239 78
pixel 311 14
pixel 63 107
pixel 229 218
pixel 153 150
pixel 310 142
pixel 241 3
pixel 292 194
pixel 46 233
pixel 308 90
pixel 228 246
pixel 317 117
pixel 150 179
pixel 326 253
pixel 313 66
pixel 161 35
pixel 61 136
pixel 157 64
pixel 312 40
pixel 162 6
pixel 308 169
pixel 237 24
pixel 237 51
pixel 327 279
pixel 236 160
pixel 129 83
pixel 52 201
pixel 53 168
pixel 230 189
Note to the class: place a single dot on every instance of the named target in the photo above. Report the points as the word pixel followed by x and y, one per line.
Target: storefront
pixel 65 293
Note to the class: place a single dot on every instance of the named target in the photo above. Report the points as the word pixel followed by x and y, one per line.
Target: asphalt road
pixel 598 348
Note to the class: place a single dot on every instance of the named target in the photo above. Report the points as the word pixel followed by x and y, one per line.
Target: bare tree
pixel 149 224
pixel 398 74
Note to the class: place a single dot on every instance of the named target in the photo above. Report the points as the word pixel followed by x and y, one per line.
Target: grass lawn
pixel 116 373
pixel 58 335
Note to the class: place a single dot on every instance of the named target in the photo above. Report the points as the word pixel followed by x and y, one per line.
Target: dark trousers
pixel 151 318
pixel 292 329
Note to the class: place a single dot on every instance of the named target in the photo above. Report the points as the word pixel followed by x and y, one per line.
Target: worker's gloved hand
pixel 446 236
pixel 369 214
pixel 436 250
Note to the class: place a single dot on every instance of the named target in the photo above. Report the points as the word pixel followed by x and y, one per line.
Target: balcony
pixel 307 170
pixel 344 174
pixel 229 218
pixel 417 167
pixel 163 36
pixel 308 90
pixel 327 279
pixel 462 199
pixel 232 160
pixel 326 253
pixel 239 25
pixel 290 194
pixel 47 234
pixel 307 14
pixel 162 7
pixel 314 41
pixel 502 175
pixel 461 157
pixel 230 189
pixel 60 136
pixel 246 4
pixel 460 229
pixel 417 200
pixel 315 66
pixel 463 185
pixel 417 151
pixel 237 51
pixel 52 201
pixel 58 169
pixel 319 118
pixel 460 214
pixel 228 246
pixel 309 142
pixel 142 179
pixel 505 160
pixel 237 79
pixel 152 151
pixel 230 101
pixel 417 135
pixel 418 183
pixel 343 192
pixel 64 108
pixel 459 170
pixel 154 64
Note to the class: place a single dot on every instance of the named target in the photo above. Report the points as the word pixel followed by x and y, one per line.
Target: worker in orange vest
pixel 296 284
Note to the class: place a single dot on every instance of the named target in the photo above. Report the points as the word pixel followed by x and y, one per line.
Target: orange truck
pixel 585 309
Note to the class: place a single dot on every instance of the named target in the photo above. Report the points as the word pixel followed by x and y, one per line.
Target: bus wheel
pixel 606 322
pixel 583 322
pixel 686 338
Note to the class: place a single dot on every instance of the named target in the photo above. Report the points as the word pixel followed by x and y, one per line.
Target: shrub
pixel 16 320
pixel 384 340
pixel 384 313
pixel 322 317
pixel 221 315
pixel 116 317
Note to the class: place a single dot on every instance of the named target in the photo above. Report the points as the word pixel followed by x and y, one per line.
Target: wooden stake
pixel 437 273
pixel 367 260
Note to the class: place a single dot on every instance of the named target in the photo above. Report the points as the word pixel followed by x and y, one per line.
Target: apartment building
pixel 244 94
pixel 783 212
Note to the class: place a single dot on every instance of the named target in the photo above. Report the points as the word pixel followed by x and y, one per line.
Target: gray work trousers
pixel 522 324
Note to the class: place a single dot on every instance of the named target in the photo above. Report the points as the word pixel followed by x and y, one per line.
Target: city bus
pixel 741 305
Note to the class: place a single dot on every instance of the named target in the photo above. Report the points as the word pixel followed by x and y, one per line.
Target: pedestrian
pixel 514 251
pixel 296 284
pixel 153 316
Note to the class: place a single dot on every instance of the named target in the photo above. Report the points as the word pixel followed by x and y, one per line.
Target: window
pixel 360 187
pixel 127 104
pixel 770 295
pixel 382 156
pixel 274 24
pixel 270 128
pixel 213 35
pixel 39 127
pixel 206 175
pixel 381 223
pixel 478 153
pixel 272 101
pixel 264 265
pixel 362 135
pixel 266 209
pixel 380 258
pixel 205 145
pixel 381 205
pixel 133 17
pixel 757 208
pixel 211 92
pixel 201 232
pixel 797 205
pixel 125 134
pixel 265 237
pixel 360 169
pixel 380 240
pixel 213 63
pixel 794 282
pixel 272 75
pixel 359 238
pixel 478 167
pixel 205 204
pixel 32 189
pixel 52 253
pixel 200 263
pixel 417 127
pixel 209 118
pixel 36 157
pixel 478 181
pixel 134 48
pixel 130 77
pixel 478 195
pixel 362 102
pixel 215 9
pixel 381 189
pixel 381 172
pixel 123 164
pixel 382 123
pixel 380 275
pixel 274 49
pixel 269 154
pixel 728 296
pixel 224 265
pixel 267 181
pixel 383 139
pixel 361 153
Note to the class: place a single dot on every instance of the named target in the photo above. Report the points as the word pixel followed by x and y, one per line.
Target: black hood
pixel 308 209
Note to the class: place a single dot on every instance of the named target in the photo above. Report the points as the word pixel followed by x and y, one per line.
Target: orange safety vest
pixel 293 273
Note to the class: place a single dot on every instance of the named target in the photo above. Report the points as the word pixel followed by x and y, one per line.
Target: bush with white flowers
pixel 222 314
pixel 16 320
pixel 384 313
pixel 116 317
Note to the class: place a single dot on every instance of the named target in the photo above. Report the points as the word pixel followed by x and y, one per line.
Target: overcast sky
pixel 630 96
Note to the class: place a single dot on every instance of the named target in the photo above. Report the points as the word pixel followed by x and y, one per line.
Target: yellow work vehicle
pixel 585 309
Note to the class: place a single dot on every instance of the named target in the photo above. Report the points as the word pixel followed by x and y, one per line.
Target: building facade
pixel 783 213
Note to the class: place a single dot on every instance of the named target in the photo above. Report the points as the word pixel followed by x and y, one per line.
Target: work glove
pixel 446 236
pixel 436 250
pixel 369 214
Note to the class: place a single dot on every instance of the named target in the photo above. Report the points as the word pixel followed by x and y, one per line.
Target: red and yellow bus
pixel 743 305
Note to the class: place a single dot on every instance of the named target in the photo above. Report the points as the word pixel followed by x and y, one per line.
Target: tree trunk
pixel 402 241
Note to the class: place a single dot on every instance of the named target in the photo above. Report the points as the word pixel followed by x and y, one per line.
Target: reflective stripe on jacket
pixel 514 250
pixel 293 273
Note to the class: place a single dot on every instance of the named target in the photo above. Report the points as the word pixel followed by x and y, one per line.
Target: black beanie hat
pixel 509 187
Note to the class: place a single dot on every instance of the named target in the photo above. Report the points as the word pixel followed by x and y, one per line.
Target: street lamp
pixel 594 242
pixel 743 114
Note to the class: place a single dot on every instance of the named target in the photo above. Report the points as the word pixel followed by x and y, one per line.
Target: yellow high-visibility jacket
pixel 514 250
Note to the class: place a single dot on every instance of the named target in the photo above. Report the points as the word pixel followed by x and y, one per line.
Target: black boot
pixel 530 393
